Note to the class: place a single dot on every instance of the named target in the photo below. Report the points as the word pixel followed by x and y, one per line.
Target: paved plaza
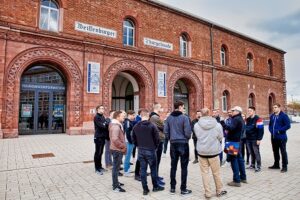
pixel 70 173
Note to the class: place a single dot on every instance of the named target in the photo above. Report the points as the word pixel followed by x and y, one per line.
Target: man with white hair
pixel 235 130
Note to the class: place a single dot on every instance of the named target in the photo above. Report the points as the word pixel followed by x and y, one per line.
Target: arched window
pixel 225 101
pixel 251 100
pixel 270 67
pixel 223 54
pixel 272 100
pixel 128 32
pixel 49 15
pixel 250 62
pixel 184 45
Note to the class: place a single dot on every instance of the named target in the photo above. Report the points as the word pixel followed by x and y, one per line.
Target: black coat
pixel 235 128
pixel 101 126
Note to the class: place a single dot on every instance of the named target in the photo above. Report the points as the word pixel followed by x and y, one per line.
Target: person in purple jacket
pixel 279 124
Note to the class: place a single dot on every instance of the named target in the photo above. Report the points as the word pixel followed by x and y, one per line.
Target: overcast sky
pixel 275 22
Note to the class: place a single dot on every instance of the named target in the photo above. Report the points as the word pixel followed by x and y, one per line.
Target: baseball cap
pixel 237 108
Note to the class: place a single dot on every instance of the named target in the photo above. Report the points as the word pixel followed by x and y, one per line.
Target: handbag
pixel 232 148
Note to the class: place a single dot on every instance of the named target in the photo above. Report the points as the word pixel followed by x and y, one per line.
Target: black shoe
pixel 120 174
pixel 131 163
pixel 258 169
pixel 145 192
pixel 172 191
pixel 283 170
pixel 185 192
pixel 121 184
pixel 137 178
pixel 158 188
pixel 119 189
pixel 121 168
pixel 274 167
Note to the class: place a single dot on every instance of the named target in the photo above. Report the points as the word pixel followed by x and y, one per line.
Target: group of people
pixel 150 134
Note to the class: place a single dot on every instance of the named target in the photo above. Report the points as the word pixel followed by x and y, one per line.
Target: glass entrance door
pixel 43 112
pixel 26 120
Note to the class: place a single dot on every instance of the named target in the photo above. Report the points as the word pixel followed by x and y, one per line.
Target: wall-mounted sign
pixel 161 84
pixel 44 87
pixel 93 77
pixel 158 44
pixel 26 110
pixel 58 111
pixel 87 28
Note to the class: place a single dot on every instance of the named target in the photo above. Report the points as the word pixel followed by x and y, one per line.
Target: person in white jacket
pixel 209 135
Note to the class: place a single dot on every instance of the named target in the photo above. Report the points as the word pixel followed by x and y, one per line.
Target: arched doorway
pixel 181 93
pixel 125 92
pixel 42 107
pixel 271 102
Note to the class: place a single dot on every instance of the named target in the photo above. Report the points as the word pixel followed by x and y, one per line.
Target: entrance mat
pixel 42 155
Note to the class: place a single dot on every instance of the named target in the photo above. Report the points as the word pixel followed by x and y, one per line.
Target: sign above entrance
pixel 161 84
pixel 79 26
pixel 93 77
pixel 44 87
pixel 158 44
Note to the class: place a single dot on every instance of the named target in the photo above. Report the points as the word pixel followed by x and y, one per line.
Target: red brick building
pixel 59 59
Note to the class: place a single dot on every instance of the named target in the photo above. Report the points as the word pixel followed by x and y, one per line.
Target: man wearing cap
pixel 235 129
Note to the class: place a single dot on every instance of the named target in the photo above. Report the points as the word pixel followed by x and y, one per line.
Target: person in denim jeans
pixel 235 129
pixel 128 126
pixel 108 155
pixel 145 136
pixel 178 130
pixel 117 147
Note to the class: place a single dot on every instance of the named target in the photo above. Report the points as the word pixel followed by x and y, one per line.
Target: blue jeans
pixel 128 156
pixel 117 159
pixel 148 157
pixel 159 151
pixel 179 150
pixel 238 167
pixel 108 160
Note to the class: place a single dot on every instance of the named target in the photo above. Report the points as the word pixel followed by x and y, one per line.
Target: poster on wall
pixel 58 111
pixel 93 77
pixel 161 84
pixel 26 110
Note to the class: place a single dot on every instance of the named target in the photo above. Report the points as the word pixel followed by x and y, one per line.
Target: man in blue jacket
pixel 178 130
pixel 279 124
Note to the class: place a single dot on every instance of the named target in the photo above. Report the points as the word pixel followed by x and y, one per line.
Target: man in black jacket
pixel 145 136
pixel 198 115
pixel 235 129
pixel 101 133
pixel 254 134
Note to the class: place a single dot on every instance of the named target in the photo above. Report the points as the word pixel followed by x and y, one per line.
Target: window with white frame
pixel 250 62
pixel 225 101
pixel 183 46
pixel 223 56
pixel 128 33
pixel 251 100
pixel 49 15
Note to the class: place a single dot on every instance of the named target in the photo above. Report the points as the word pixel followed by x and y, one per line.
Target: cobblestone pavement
pixel 70 175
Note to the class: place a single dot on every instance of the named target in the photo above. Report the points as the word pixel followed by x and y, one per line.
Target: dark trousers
pixel 117 159
pixel 99 147
pixel 137 168
pixel 195 148
pixel 148 157
pixel 166 145
pixel 179 150
pixel 158 154
pixel 276 145
pixel 255 153
pixel 245 149
pixel 134 151
pixel 238 167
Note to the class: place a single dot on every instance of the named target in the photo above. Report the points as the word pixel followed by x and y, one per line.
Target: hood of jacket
pixel 153 113
pixel 207 123
pixel 176 113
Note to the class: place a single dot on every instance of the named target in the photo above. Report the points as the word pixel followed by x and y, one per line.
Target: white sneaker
pixel 128 174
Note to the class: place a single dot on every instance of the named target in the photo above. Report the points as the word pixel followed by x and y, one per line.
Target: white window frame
pixel 249 63
pixel 128 28
pixel 184 46
pixel 224 103
pixel 251 100
pixel 49 10
pixel 223 56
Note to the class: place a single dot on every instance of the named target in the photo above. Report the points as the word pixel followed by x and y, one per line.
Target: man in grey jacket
pixel 209 135
pixel 178 130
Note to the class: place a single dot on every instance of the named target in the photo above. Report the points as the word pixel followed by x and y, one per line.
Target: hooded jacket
pixel 209 136
pixel 278 125
pixel 254 128
pixel 178 128
pixel 145 135
pixel 155 119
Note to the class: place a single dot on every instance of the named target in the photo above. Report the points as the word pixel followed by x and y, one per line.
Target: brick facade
pixel 23 43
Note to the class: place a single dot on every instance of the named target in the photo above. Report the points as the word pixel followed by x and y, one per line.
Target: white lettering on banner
pixel 93 77
pixel 161 84
pixel 79 26
pixel 158 44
